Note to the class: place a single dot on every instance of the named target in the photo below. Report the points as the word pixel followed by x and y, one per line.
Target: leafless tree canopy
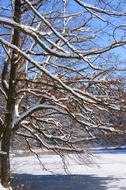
pixel 59 63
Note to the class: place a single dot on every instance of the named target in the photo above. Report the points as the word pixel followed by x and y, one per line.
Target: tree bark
pixel 11 96
pixel 5 160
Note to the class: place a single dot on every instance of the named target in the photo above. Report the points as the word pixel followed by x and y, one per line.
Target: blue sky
pixel 104 39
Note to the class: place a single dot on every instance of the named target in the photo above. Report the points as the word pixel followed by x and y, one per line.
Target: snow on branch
pixel 32 110
pixel 85 97
pixel 50 146
pixel 99 10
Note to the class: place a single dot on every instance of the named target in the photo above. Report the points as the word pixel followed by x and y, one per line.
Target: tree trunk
pixel 11 97
pixel 5 160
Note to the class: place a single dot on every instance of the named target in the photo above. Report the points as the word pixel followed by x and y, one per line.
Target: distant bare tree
pixel 55 72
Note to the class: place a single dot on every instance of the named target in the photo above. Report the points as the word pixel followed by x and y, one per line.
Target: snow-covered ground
pixel 105 171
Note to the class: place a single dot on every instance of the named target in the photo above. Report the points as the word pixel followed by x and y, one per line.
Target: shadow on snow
pixel 61 182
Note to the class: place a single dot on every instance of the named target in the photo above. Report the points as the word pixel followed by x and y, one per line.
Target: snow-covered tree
pixel 56 57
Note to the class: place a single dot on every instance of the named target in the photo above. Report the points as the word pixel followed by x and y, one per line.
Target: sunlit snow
pixel 111 166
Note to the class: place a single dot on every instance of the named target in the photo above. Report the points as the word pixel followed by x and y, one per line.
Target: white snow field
pixel 109 169
pixel 2 188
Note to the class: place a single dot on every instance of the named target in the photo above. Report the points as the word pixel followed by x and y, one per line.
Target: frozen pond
pixel 106 171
